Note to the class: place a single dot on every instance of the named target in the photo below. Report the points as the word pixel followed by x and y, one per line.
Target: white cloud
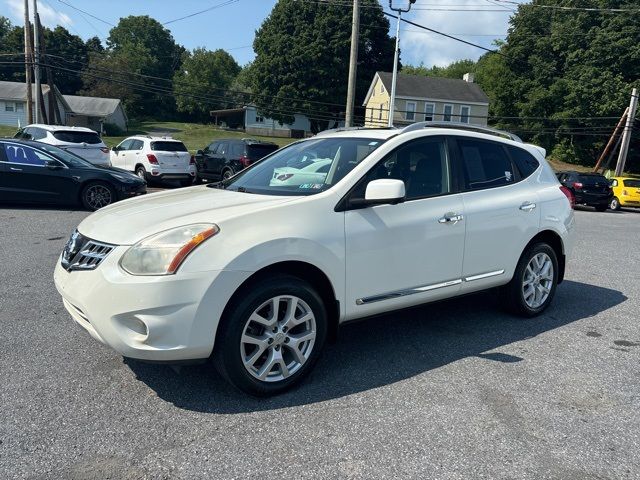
pixel 418 46
pixel 48 16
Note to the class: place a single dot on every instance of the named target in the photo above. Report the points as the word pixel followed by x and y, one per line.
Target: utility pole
pixel 626 135
pixel 611 140
pixel 353 64
pixel 36 68
pixel 27 61
pixel 392 102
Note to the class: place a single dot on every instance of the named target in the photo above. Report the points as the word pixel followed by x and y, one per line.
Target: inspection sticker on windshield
pixel 314 186
pixel 373 144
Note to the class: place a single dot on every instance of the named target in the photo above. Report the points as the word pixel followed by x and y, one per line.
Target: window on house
pixel 380 113
pixel 447 113
pixel 259 119
pixel 19 107
pixel 410 114
pixel 465 112
pixel 381 88
pixel 8 106
pixel 429 110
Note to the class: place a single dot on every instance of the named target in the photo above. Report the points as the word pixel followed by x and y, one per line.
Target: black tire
pixel 197 180
pixel 96 195
pixel 227 354
pixel 614 204
pixel 601 208
pixel 187 182
pixel 513 291
pixel 227 173
pixel 141 172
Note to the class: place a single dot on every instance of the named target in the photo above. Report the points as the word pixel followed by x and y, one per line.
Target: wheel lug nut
pixel 270 341
pixel 284 329
pixel 286 340
pixel 275 329
pixel 277 347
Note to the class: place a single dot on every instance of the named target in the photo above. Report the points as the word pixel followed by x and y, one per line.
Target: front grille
pixel 82 253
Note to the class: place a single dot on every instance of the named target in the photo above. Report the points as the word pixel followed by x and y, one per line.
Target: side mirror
pixel 199 152
pixel 381 192
pixel 114 149
pixel 53 165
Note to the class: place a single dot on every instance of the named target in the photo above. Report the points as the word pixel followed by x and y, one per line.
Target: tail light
pixel 192 160
pixel 569 194
pixel 152 159
pixel 104 149
pixel 244 160
pixel 577 185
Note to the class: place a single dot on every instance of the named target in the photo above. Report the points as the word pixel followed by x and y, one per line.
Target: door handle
pixel 527 206
pixel 451 218
pixel 14 169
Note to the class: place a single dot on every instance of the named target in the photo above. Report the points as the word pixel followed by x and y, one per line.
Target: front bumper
pixel 160 318
pixel 127 191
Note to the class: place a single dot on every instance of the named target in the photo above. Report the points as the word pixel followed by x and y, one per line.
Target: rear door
pixel 501 213
pixel 219 160
pixel 206 161
pixel 87 145
pixel 173 156
pixel 27 179
pixel 135 154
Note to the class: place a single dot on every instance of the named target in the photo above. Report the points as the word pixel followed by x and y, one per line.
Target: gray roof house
pixel 94 112
pixel 80 111
pixel 420 98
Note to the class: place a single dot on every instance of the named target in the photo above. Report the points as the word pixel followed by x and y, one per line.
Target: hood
pixel 129 221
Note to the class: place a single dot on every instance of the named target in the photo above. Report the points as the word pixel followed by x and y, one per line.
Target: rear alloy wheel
pixel 534 282
pixel 614 204
pixel 96 195
pixel 141 172
pixel 227 174
pixel 272 336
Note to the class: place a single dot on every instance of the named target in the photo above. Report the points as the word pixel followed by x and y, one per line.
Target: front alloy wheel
pixel 614 204
pixel 271 335
pixel 278 338
pixel 97 195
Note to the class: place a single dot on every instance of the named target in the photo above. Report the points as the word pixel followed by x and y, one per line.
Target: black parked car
pixel 224 158
pixel 591 189
pixel 34 172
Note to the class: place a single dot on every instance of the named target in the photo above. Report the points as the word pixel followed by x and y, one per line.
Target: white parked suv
pixel 257 276
pixel 155 159
pixel 82 141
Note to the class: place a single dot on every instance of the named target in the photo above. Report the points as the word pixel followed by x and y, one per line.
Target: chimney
pixel 469 77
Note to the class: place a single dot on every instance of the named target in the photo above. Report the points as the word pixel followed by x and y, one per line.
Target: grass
pixel 194 135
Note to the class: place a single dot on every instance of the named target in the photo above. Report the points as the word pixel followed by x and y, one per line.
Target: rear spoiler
pixel 536 149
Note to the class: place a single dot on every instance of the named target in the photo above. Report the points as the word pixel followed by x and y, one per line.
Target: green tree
pixel 11 48
pixel 138 48
pixel 564 65
pixel 68 51
pixel 204 73
pixel 302 57
pixel 454 70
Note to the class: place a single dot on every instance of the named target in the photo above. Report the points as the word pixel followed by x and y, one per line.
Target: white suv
pixel 258 275
pixel 155 159
pixel 82 141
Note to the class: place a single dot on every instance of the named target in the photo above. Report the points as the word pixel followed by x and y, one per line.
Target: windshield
pixel 304 168
pixel 168 147
pixel 631 183
pixel 77 137
pixel 68 158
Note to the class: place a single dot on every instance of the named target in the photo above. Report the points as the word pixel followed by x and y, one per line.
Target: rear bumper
pixel 593 199
pixel 628 202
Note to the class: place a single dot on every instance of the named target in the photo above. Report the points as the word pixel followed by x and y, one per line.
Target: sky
pixel 231 24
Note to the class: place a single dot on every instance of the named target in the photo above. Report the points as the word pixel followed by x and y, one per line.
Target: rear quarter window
pixel 525 162
pixel 486 164
pixel 256 152
pixel 631 183
pixel 168 147
pixel 76 137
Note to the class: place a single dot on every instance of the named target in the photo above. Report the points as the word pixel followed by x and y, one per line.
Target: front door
pixel 408 253
pixel 27 178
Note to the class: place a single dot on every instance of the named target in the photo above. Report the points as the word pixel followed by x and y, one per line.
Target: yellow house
pixel 420 98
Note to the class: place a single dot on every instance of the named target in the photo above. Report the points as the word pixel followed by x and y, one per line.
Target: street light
pixel 392 103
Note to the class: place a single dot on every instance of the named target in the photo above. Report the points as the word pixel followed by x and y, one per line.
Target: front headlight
pixel 163 253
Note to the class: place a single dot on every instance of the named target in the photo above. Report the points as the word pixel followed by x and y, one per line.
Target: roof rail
pixel 347 129
pixel 462 126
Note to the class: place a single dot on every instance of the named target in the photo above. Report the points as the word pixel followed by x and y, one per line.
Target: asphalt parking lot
pixel 456 390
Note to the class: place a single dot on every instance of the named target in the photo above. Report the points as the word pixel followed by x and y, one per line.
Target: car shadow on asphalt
pixel 388 349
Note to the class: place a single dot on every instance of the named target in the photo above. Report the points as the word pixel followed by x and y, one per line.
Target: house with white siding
pixel 420 98
pixel 75 110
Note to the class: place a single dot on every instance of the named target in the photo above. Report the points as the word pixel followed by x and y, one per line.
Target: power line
pixel 86 13
pixel 565 8
pixel 223 4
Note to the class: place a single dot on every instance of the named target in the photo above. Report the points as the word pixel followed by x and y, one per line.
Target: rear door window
pixel 168 147
pixel 69 136
pixel 257 151
pixel 223 148
pixel 136 145
pixel 486 164
pixel 525 162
